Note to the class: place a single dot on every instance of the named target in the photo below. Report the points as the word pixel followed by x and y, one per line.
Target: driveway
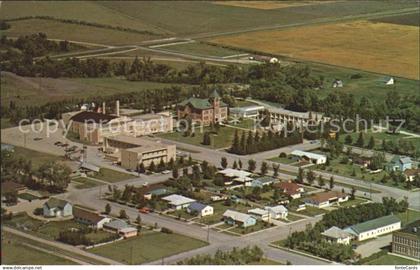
pixel 373 246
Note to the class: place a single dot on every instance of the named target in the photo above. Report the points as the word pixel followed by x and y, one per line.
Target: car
pixel 64 145
pixel 166 172
pixel 58 143
pixel 144 210
pixel 37 139
pixel 145 184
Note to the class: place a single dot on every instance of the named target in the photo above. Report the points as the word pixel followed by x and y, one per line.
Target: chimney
pixel 117 108
pixel 103 108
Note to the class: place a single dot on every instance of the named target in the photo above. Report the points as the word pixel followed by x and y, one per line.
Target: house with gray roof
pixel 400 163
pixel 57 208
pixel 374 227
pixel 200 209
pixel 337 235
pixel 120 227
pixel 263 181
pixel 240 219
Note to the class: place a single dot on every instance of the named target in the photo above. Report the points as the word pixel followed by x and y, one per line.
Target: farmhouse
pixel 246 112
pixel 337 235
pixel 240 219
pixel 263 181
pixel 178 201
pixel 326 199
pixel 239 176
pixel 132 151
pixel 400 163
pixel 277 212
pixel 260 214
pixel 293 190
pixel 57 208
pixel 406 242
pixel 375 227
pixel 89 218
pixel 204 110
pixel 120 227
pixel 310 157
pixel 200 209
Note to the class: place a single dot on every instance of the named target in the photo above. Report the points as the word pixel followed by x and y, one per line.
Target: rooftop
pixel 301 153
pixel 176 199
pixel 90 216
pixel 56 203
pixel 335 232
pixel 86 116
pixel 116 224
pixel 276 209
pixel 412 228
pixel 197 206
pixel 266 179
pixel 374 224
pixel 139 144
pixel 237 216
pixel 11 186
pixel 326 196
pixel 258 211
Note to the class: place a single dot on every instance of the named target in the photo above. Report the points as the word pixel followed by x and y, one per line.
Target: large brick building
pixel 406 242
pixel 204 110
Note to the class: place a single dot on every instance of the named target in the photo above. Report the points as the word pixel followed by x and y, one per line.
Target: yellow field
pixel 378 47
pixel 266 5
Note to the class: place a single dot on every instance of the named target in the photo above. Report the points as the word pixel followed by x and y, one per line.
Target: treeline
pixel 244 256
pixel 250 142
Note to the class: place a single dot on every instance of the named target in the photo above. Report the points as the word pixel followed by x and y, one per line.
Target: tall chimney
pixel 103 108
pixel 117 108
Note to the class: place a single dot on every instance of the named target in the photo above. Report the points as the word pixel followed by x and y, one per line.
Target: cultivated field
pixel 360 45
pixel 406 19
pixel 269 4
pixel 75 32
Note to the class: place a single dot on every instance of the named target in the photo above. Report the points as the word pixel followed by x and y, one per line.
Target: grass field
pixel 312 211
pixel 27 196
pixel 269 4
pixel 75 32
pixel 83 182
pixel 360 44
pixel 389 259
pixel 37 158
pixel 406 19
pixel 17 251
pixel 202 49
pixel 38 91
pixel 409 216
pixel 112 176
pixel 148 247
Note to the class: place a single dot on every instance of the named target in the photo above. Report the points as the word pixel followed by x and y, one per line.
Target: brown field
pixel 377 47
pixel 267 5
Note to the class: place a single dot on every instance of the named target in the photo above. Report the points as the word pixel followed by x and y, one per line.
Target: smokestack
pixel 103 108
pixel 117 108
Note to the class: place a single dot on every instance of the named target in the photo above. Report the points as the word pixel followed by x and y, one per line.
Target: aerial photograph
pixel 155 134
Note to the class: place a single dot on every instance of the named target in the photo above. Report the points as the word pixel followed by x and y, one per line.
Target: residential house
pixel 120 227
pixel 400 163
pixel 204 110
pixel 158 192
pixel 309 157
pixel 326 199
pixel 410 174
pixel 178 201
pixel 337 235
pixel 363 162
pixel 375 227
pixel 57 208
pixel 200 209
pixel 89 218
pixel 240 219
pixel 406 242
pixel 232 176
pixel 263 181
pixel 260 214
pixel 293 190
pixel 12 187
pixel 277 212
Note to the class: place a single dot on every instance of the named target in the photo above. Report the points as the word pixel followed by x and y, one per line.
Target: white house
pixel 337 235
pixel 375 227
pixel 260 214
pixel 246 112
pixel 309 156
pixel 178 201
pixel 92 219
pixel 239 176
pixel 57 208
pixel 277 212
pixel 237 218
pixel 326 199
pixel 200 209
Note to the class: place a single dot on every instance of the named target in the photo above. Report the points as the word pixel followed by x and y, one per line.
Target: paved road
pixel 61 246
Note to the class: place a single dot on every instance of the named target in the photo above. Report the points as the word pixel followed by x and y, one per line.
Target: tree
pixel 310 177
pixel 348 139
pixel 235 165
pixel 371 143
pixel 331 182
pixel 353 192
pixel 360 140
pixel 175 173
pixel 141 168
pixel 276 195
pixel 206 138
pixel 224 162
pixel 138 219
pixel 276 168
pixel 240 164
pixel 321 181
pixel 107 208
pixel 123 214
pixel 252 165
pixel 300 176
pixel 264 168
pixel 152 166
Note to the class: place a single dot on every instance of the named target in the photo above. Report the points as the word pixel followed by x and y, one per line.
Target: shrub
pixel 166 230
pixel 283 155
pixel 38 211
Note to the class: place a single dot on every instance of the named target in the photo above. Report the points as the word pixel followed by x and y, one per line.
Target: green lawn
pixel 244 103
pixel 363 189
pixel 257 227
pixel 245 123
pixel 148 247
pixel 37 158
pixel 222 139
pixel 202 49
pixel 409 216
pixel 389 259
pixel 83 182
pixel 15 251
pixel 219 208
pixel 292 217
pixel 312 211
pixel 27 196
pixel 354 202
pixel 112 176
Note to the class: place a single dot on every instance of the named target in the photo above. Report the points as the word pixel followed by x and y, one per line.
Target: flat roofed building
pixel 151 123
pixel 246 112
pixel 337 235
pixel 132 151
pixel 178 201
pixel 260 214
pixel 406 242
pixel 234 175
pixel 375 227
pixel 311 157
pixel 237 218
pixel 277 212
pixel 326 199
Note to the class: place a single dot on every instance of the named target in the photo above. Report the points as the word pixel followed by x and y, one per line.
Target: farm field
pixel 148 247
pixel 201 49
pixel 38 91
pixel 269 4
pixel 360 44
pixel 76 10
pixel 75 32
pixel 406 19
pixel 207 17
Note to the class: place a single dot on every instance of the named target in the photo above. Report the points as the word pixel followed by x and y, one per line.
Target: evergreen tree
pixel 206 138
pixel 152 167
pixel 321 181
pixel 264 168
pixel 235 165
pixel 224 162
pixel 371 144
pixel 331 182
pixel 175 173
pixel 353 193
pixel 360 140
pixel 252 165
pixel 141 168
pixel 236 143
pixel 348 140
pixel 310 177
pixel 240 164
pixel 276 168
pixel 300 176
pixel 107 209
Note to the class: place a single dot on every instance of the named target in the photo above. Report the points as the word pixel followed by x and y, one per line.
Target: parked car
pixel 166 172
pixel 144 210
